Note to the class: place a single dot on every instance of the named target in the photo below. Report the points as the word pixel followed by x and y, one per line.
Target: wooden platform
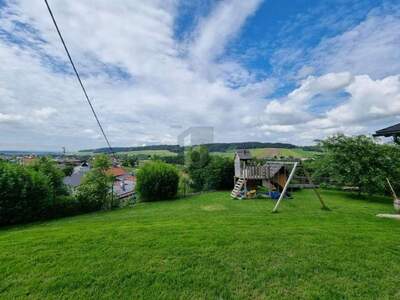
pixel 389 216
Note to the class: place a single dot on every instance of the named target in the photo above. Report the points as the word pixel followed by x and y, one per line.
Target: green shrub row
pixel 209 172
pixel 357 162
pixel 37 192
pixel 157 180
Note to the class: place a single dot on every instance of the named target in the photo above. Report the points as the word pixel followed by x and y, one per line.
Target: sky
pixel 271 71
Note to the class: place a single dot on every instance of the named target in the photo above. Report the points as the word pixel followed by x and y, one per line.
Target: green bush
pixel 95 191
pixel 357 162
pixel 25 194
pixel 209 172
pixel 37 192
pixel 219 173
pixel 198 159
pixel 49 168
pixel 93 196
pixel 68 170
pixel 157 181
pixel 63 206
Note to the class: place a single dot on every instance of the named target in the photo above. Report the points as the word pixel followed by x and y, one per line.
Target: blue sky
pixel 279 71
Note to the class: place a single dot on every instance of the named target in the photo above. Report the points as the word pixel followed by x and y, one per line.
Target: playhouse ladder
pixel 238 187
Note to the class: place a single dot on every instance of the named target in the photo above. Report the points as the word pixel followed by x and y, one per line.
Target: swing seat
pixel 274 195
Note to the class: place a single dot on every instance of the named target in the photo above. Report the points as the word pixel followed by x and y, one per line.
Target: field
pixel 259 153
pixel 161 153
pixel 271 152
pixel 209 247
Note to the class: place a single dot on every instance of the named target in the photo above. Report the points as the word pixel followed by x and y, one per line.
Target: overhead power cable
pixel 79 78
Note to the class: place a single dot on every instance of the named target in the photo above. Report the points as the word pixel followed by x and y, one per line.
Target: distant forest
pixel 215 147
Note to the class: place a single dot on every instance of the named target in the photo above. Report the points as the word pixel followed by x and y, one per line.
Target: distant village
pixel 124 179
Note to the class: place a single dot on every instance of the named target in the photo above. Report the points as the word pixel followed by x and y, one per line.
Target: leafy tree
pixel 155 157
pixel 129 160
pixel 157 180
pixel 50 169
pixel 209 172
pixel 68 170
pixel 184 184
pixel 25 194
pixel 176 160
pixel 220 172
pixel 198 159
pixel 396 139
pixel 358 161
pixel 101 163
pixel 95 191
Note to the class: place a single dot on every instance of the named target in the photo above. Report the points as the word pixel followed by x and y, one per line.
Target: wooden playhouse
pixel 274 175
pixel 249 174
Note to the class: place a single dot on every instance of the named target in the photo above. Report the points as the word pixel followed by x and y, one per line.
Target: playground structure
pixel 396 200
pixel 396 205
pixel 276 176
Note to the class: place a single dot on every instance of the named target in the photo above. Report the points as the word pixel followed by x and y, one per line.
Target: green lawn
pixel 209 247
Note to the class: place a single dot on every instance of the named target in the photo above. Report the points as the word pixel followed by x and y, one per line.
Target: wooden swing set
pixel 396 200
pixel 273 175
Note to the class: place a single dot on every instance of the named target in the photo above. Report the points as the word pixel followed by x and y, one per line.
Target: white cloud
pixel 370 99
pixel 372 47
pixel 313 86
pixel 169 85
pixel 358 89
pixel 5 118
pixel 369 102
pixel 215 31
pixel 163 92
pixel 294 108
pixel 44 113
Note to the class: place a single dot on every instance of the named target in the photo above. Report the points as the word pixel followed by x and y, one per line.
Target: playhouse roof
pixel 274 169
pixel 389 131
pixel 243 154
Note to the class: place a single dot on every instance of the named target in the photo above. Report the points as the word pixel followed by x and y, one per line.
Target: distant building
pixel 391 131
pixel 124 183
pixel 116 171
pixel 28 160
pixel 124 186
pixel 75 179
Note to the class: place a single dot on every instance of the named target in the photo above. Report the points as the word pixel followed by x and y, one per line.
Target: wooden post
pixel 314 188
pixel 285 188
pixel 391 188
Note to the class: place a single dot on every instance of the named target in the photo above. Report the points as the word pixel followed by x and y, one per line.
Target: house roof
pixel 116 171
pixel 75 179
pixel 124 187
pixel 28 160
pixel 389 131
pixel 243 154
pixel 130 178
